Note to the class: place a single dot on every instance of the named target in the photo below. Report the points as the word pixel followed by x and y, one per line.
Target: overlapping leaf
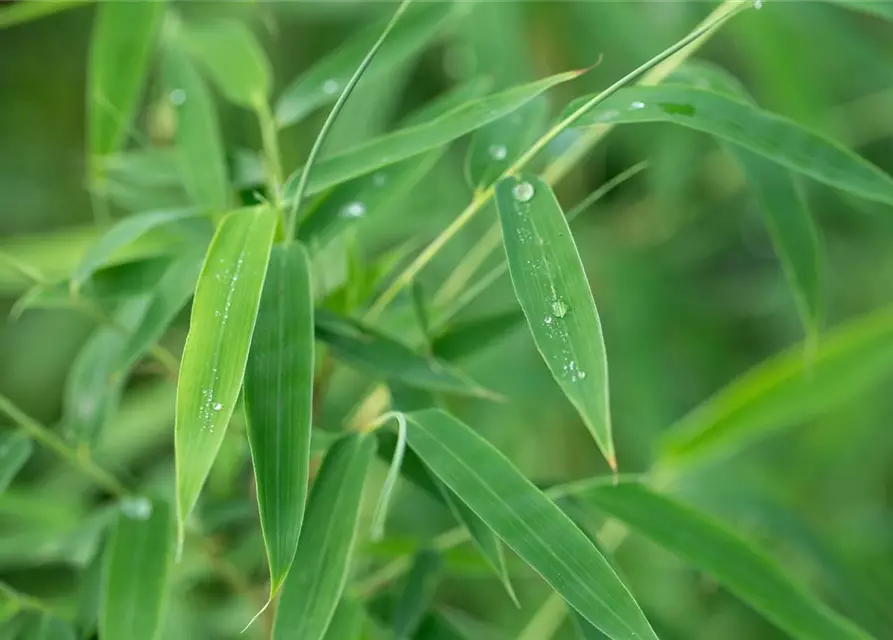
pixel 15 449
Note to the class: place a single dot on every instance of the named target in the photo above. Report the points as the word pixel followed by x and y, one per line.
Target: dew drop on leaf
pixel 353 210
pixel 548 319
pixel 177 97
pixel 523 192
pixel 379 179
pixel 217 406
pixel 559 308
pixel 636 105
pixel 136 508
pixel 757 4
pixel 498 151
pixel 330 86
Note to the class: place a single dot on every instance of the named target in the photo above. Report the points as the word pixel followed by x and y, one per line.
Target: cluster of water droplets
pixel 138 508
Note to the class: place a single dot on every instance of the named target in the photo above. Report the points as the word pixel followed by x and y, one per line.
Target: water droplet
pixel 379 179
pixel 548 319
pixel 217 406
pixel 330 86
pixel 559 308
pixel 137 508
pixel 353 210
pixel 177 97
pixel 637 105
pixel 498 151
pixel 758 4
pixel 523 192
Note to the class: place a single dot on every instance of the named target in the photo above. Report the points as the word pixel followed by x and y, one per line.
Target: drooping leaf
pixel 418 591
pixel 322 82
pixel 527 521
pixel 15 449
pixel 465 339
pixel 366 348
pixel 278 394
pixel 234 60
pixel 551 286
pixel 786 389
pixel 411 141
pixel 223 315
pixel 766 134
pixel 22 12
pixel 138 562
pixel 319 573
pixel 121 45
pixel 199 145
pixel 729 559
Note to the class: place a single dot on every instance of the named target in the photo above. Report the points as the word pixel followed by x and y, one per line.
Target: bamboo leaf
pixel 15 449
pixel 234 60
pixel 766 134
pixel 467 338
pixel 347 621
pixel 527 521
pixel 200 153
pixel 45 626
pixel 138 562
pixel 411 141
pixel 278 393
pixel 417 594
pixel 728 558
pixel 364 347
pixel 22 12
pixel 123 38
pixel 223 315
pixel 551 287
pixel 879 8
pixel 786 389
pixel 321 83
pixel 319 573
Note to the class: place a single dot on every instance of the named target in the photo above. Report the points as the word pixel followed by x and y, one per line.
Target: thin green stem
pixel 292 224
pixel 272 157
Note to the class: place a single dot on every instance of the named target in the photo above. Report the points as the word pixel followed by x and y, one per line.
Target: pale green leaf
pixel 769 135
pixel 527 521
pixel 234 60
pixel 319 573
pixel 411 141
pixel 223 315
pixel 729 559
pixel 15 449
pixel 137 567
pixel 121 45
pixel 787 389
pixel 551 286
pixel 28 10
pixel 278 395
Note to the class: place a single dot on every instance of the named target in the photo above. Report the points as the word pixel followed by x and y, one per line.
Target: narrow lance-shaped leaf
pixel 413 140
pixel 15 449
pixel 418 591
pixel 784 390
pixel 234 60
pixel 278 394
pixel 729 559
pixel 319 573
pixel 551 287
pixel 21 12
pixel 527 521
pixel 322 83
pixel 213 365
pixel 781 140
pixel 123 37
pixel 347 621
pixel 138 561
pixel 199 145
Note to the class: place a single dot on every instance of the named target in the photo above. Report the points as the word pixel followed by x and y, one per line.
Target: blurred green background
pixel 689 290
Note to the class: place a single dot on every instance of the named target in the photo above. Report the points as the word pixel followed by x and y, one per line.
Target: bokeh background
pixel 689 289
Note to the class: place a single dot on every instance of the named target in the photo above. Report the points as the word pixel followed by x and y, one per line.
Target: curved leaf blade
pixel 527 521
pixel 551 286
pixel 278 396
pixel 15 449
pixel 728 558
pixel 766 134
pixel 318 576
pixel 22 12
pixel 223 315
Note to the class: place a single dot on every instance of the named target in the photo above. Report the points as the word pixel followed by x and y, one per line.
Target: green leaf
pixel 729 559
pixel 527 521
pixel 234 60
pixel 786 389
pixel 411 141
pixel 29 10
pixel 321 83
pixel 223 315
pixel 201 157
pixel 138 562
pixel 319 573
pixel 347 622
pixel 551 287
pixel 468 338
pixel 278 395
pixel 781 140
pixel 367 349
pixel 45 626
pixel 121 45
pixel 417 594
pixel 15 449
pixel 119 236
pixel 880 8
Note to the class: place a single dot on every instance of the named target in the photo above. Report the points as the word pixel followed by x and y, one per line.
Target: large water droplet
pixel 330 86
pixel 217 406
pixel 523 192
pixel 637 105
pixel 548 319
pixel 498 151
pixel 136 508
pixel 559 308
pixel 757 4
pixel 177 97
pixel 581 375
pixel 353 210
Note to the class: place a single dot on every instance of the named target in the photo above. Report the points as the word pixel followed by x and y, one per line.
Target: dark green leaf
pixel 418 592
pixel 29 10
pixel 463 340
pixel 44 626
